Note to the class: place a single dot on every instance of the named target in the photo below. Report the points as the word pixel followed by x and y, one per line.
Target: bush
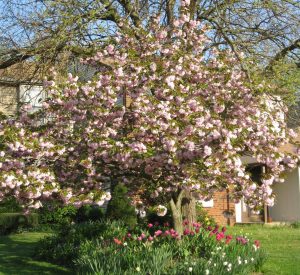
pixel 120 208
pixel 295 224
pixel 159 220
pixel 203 217
pixel 64 246
pixel 11 222
pixel 55 213
pixel 89 213
pixel 10 205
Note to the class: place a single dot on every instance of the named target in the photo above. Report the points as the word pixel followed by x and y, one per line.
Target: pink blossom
pixel 158 233
pixel 161 35
pixel 207 150
pixel 150 238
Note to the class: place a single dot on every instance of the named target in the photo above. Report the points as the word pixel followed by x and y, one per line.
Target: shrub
pixel 120 208
pixel 159 220
pixel 89 213
pixel 63 247
pixel 11 222
pixel 203 217
pixel 295 224
pixel 56 213
pixel 10 205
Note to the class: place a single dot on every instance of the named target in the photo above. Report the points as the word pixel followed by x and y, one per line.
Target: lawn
pixel 282 245
pixel 16 256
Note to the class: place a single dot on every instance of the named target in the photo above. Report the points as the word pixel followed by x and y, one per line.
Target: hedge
pixel 10 222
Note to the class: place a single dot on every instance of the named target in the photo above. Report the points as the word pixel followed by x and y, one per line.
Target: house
pixel 17 87
pixel 287 198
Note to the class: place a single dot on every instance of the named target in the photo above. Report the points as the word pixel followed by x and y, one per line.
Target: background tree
pixel 265 30
pixel 61 32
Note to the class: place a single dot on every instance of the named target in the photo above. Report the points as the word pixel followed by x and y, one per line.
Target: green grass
pixel 16 253
pixel 282 245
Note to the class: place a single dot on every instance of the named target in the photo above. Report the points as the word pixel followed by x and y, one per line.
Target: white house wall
pixel 287 201
pixel 238 212
pixel 33 95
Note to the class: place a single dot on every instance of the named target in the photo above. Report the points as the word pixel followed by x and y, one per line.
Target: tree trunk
pixel 177 214
pixel 177 219
pixel 183 208
pixel 188 208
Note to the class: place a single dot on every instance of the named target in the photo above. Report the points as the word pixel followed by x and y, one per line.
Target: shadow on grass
pixel 16 252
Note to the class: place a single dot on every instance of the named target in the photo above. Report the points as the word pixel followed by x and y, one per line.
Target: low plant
pixel 120 208
pixel 89 213
pixel 203 217
pixel 10 205
pixel 63 247
pixel 295 224
pixel 12 222
pixel 54 213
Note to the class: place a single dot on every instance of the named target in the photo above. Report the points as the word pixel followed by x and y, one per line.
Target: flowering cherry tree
pixel 193 115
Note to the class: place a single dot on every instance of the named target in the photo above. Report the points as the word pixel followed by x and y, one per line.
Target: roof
pixel 21 73
pixel 291 147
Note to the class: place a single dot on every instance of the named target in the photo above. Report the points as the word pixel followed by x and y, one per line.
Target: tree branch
pixel 281 54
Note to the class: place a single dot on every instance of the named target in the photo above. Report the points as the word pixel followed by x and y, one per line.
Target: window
pixel 33 95
pixel 207 204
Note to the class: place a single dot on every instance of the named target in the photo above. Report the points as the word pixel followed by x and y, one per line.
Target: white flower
pixel 225 263
pixel 125 244
pixel 161 210
pixel 138 269
pixel 246 261
pixel 206 272
pixel 142 213
pixel 252 259
pixel 190 269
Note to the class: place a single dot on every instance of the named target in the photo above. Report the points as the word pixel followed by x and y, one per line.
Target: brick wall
pixel 8 100
pixel 220 205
